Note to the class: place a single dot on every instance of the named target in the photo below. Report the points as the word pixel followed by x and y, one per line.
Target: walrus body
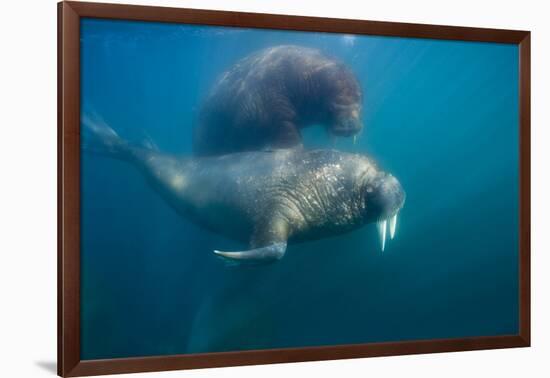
pixel 263 198
pixel 266 98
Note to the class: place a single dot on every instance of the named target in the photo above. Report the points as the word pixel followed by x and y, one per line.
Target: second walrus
pixel 264 100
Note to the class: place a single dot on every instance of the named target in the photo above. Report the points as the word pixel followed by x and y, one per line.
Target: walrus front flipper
pixel 263 255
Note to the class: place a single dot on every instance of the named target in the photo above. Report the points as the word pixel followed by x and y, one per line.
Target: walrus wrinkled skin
pixel 265 198
pixel 265 99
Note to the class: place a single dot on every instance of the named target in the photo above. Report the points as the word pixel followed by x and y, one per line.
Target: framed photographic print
pixel 239 188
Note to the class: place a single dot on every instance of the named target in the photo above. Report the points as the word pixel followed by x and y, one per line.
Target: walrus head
pixel 384 197
pixel 344 102
pixel 346 119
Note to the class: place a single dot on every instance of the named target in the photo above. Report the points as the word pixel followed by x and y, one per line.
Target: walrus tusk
pixel 393 223
pixel 382 232
pixel 270 253
pixel 382 226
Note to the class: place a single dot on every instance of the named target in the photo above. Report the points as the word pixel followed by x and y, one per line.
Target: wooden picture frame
pixel 69 15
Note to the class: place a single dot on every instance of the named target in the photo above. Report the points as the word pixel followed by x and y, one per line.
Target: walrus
pixel 266 199
pixel 267 97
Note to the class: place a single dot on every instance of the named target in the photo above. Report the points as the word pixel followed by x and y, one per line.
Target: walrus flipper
pixel 99 138
pixel 262 255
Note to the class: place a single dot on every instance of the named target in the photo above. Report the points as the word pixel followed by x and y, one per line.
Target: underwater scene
pixel 251 189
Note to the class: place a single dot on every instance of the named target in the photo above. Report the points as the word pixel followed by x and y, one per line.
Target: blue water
pixel 442 116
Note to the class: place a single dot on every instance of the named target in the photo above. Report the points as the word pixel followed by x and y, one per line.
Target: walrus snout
pixel 347 127
pixel 384 199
